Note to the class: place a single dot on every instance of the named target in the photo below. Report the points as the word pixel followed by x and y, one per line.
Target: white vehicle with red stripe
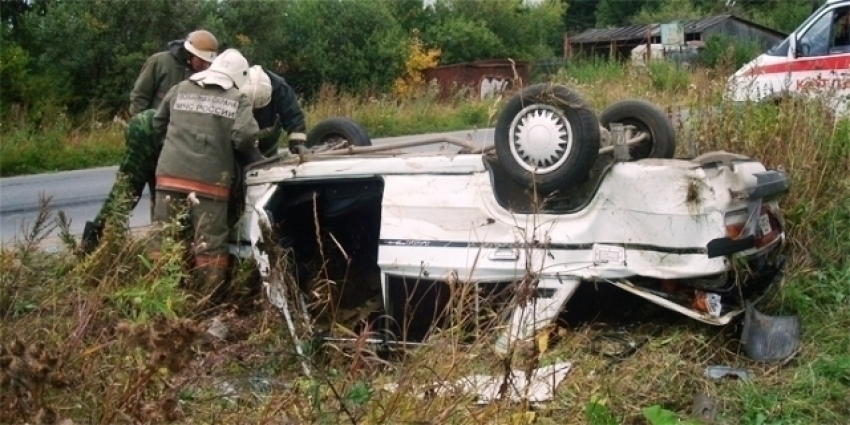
pixel 813 61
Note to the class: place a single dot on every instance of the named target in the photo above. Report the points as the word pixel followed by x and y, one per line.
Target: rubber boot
pixel 90 238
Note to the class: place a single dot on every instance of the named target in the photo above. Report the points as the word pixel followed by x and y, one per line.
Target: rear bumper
pixel 759 283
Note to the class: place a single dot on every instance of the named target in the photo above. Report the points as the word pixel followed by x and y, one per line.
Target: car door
pixel 822 64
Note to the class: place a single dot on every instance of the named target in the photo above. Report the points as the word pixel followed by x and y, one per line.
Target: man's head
pixel 258 88
pixel 229 69
pixel 202 47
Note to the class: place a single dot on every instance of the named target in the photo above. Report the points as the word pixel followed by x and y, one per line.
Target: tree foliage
pixel 782 15
pixel 353 44
pixel 613 13
pixel 666 11
pixel 70 54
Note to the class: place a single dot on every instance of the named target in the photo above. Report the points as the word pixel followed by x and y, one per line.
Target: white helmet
pixel 228 69
pixel 259 87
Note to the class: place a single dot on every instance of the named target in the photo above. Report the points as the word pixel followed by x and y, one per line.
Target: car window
pixel 841 31
pixel 827 35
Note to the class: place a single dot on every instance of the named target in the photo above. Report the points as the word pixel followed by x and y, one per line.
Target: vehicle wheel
pixel 646 117
pixel 547 136
pixel 337 129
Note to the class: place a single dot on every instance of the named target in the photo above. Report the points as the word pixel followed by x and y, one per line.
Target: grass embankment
pixel 61 143
pixel 106 371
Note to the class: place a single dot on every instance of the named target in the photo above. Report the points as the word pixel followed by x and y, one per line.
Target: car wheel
pixel 546 136
pixel 338 129
pixel 645 117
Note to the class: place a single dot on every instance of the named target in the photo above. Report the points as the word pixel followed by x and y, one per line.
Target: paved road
pixel 80 194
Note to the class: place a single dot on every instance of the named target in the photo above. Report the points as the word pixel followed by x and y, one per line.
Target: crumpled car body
pixel 653 227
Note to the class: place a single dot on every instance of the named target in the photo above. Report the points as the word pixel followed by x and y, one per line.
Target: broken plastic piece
pixel 720 372
pixel 539 388
pixel 704 408
pixel 487 388
pixel 769 338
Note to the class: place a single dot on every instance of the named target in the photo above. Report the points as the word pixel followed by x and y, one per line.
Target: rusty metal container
pixel 483 78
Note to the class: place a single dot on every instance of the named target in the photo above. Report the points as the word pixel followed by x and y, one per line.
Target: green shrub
pixel 592 70
pixel 356 45
pixel 723 50
pixel 667 76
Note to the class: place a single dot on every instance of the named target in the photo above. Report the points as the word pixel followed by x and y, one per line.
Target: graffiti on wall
pixel 492 86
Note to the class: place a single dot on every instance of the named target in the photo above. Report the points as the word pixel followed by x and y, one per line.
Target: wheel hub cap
pixel 541 138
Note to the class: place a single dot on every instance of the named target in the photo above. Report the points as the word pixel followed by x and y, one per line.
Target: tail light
pixel 765 226
pixel 735 221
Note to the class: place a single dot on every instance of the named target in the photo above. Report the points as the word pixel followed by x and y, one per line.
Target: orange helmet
pixel 202 44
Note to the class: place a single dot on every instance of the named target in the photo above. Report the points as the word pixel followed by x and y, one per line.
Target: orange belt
pixel 186 185
pixel 217 261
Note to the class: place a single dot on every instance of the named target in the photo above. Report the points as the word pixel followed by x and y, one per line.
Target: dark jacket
pixel 285 104
pixel 161 72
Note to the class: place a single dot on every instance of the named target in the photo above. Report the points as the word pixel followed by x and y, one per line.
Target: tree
pixel 468 30
pixel 580 15
pixel 97 47
pixel 253 27
pixel 666 11
pixel 462 40
pixel 615 13
pixel 353 44
pixel 781 15
pixel 411 14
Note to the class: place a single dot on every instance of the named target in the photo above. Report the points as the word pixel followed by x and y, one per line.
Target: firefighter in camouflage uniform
pixel 137 166
pixel 159 74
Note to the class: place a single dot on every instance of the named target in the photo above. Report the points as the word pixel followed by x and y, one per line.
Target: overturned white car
pixel 561 199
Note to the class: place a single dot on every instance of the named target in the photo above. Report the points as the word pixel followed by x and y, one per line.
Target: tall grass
pixel 57 143
pixel 98 326
pixel 422 112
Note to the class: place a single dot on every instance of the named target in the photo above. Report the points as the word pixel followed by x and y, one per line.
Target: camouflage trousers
pixel 137 167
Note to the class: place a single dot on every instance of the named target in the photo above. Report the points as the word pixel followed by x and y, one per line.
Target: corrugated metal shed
pixel 601 35
pixel 692 26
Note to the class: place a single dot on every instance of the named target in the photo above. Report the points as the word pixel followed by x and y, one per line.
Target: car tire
pixel 648 117
pixel 338 128
pixel 547 137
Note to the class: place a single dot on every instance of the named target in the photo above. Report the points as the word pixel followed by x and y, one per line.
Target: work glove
pixel 296 142
pixel 253 156
pixel 268 131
